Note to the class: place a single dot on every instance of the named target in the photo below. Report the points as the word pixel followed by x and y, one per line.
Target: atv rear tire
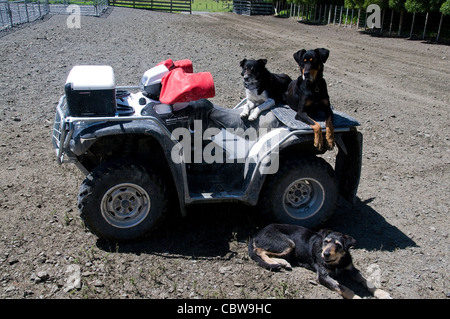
pixel 122 201
pixel 303 192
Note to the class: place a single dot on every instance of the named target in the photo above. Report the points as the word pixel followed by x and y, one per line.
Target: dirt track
pixel 398 89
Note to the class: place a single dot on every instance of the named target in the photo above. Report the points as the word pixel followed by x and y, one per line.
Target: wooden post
pixel 400 23
pixel 329 13
pixel 8 9
pixel 335 11
pixel 412 25
pixel 320 13
pixel 390 24
pixel 346 16
pixel 351 21
pixel 425 28
pixel 359 17
pixel 439 30
pixel 26 11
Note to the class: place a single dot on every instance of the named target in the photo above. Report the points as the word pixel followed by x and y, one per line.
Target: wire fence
pixel 90 8
pixel 17 12
pixel 425 26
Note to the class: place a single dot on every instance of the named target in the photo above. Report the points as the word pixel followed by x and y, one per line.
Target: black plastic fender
pixel 87 137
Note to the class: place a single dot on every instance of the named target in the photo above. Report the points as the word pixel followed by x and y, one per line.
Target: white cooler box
pixel 91 91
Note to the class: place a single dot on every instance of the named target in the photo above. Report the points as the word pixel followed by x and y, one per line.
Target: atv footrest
pixel 215 197
pixel 286 115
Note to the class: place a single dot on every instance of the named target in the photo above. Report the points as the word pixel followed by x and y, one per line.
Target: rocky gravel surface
pixel 398 89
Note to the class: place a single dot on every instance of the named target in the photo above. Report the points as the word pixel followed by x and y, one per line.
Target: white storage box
pixel 91 91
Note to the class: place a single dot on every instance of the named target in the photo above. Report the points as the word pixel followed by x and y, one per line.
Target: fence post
pixel 365 22
pixel 315 12
pixel 390 24
pixel 346 16
pixel 357 21
pixel 329 13
pixel 334 17
pixel 26 11
pixel 8 9
pixel 320 13
pixel 439 30
pixel 412 25
pixel 351 21
pixel 425 28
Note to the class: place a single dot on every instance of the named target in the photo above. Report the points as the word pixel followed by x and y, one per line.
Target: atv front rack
pixel 64 127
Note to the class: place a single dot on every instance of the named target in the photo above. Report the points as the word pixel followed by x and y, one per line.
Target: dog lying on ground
pixel 308 95
pixel 326 252
pixel 263 89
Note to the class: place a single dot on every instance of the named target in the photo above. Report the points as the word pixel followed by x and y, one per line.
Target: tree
pixel 416 6
pixel 398 5
pixel 445 10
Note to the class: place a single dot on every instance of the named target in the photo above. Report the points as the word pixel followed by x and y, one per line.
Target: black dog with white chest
pixel 308 95
pixel 326 252
pixel 263 89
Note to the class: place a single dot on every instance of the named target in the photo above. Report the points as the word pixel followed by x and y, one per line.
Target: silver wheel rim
pixel 303 198
pixel 125 205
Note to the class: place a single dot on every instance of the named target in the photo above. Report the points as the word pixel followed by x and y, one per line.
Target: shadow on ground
pixel 208 229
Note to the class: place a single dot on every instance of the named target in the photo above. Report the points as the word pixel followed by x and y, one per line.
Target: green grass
pixel 212 5
pixel 197 5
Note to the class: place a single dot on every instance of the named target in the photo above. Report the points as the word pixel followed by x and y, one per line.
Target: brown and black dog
pixel 308 95
pixel 326 252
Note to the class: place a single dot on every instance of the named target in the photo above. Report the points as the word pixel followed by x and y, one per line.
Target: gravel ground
pixel 398 89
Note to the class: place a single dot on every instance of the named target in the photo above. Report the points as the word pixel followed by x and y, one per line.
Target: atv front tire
pixel 122 201
pixel 303 192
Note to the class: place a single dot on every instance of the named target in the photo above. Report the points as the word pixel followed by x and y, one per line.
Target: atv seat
pixel 224 118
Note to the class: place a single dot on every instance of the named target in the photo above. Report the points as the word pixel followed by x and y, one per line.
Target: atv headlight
pixel 144 80
pixel 151 81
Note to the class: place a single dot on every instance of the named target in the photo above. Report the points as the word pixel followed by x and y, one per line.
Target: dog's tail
pixel 256 257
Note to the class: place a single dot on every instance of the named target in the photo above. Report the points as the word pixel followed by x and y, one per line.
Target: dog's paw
pixel 244 114
pixel 318 144
pixel 330 140
pixel 330 145
pixel 288 267
pixel 318 140
pixel 253 116
pixel 275 267
pixel 381 294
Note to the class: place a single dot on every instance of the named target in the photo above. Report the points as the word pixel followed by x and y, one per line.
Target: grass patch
pixel 212 5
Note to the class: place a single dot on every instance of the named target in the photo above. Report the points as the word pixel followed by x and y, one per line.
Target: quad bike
pixel 167 145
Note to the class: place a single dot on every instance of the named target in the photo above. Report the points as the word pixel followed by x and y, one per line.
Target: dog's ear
pixel 325 232
pixel 349 241
pixel 242 63
pixel 323 53
pixel 298 55
pixel 262 62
